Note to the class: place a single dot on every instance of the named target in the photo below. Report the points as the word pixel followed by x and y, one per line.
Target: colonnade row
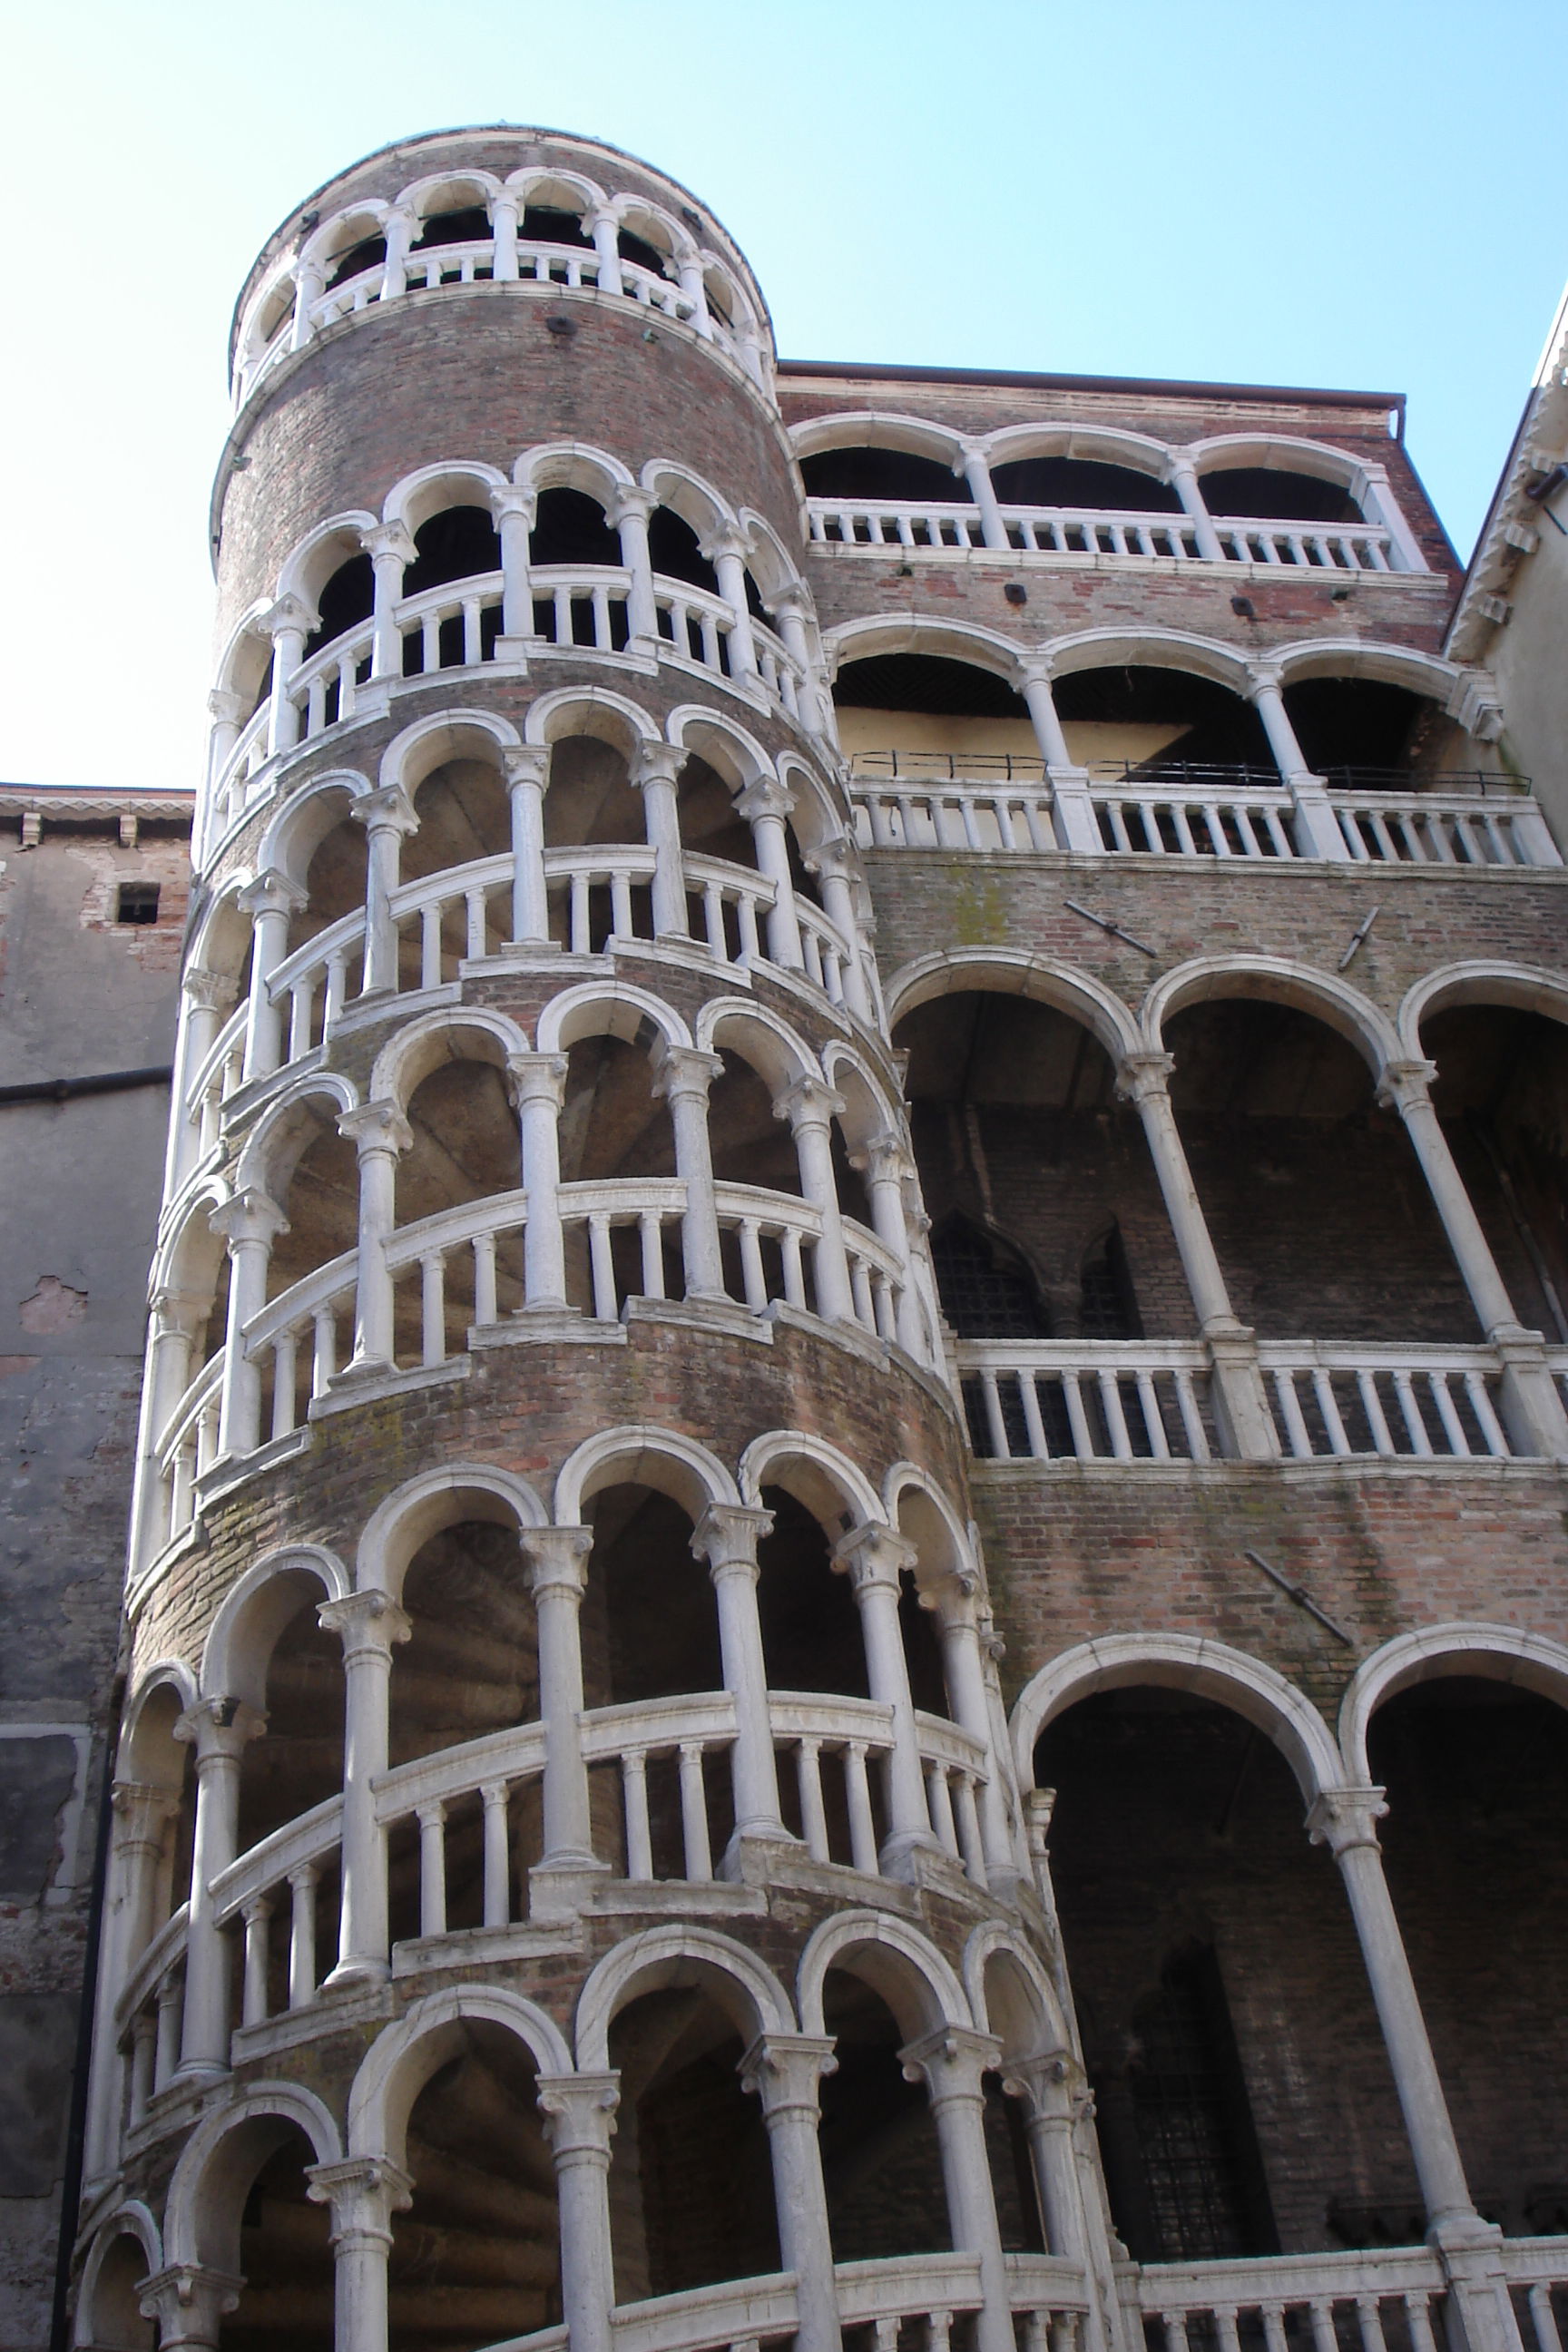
pixel 1180 465
pixel 620 243
pixel 998 2017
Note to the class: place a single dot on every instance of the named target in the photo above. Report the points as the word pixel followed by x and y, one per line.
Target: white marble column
pixel 813 694
pixel 726 552
pixel 726 1536
pixel 170 1344
pixel 683 1075
pixel 219 1730
pixel 977 476
pixel 527 772
pixel 381 1135
pixel 1532 1407
pixel 367 1625
pixel 398 229
pixel 966 1678
pixel 249 1223
pixel 310 284
pixel 834 863
pixel 139 1828
pixel 271 900
pixel 189 2303
pixel 1078 827
pixel 605 230
pixel 630 516
pixel 205 997
pixel 580 2118
pixel 386 815
pixel 538 1087
pixel 766 804
pixel 1049 2084
pixel 557 1573
pixel 785 2071
pixel 1241 1405
pixel 505 206
pixel 1183 479
pixel 811 1106
pixel 952 2062
pixel 391 550
pixel 228 712
pixel 288 624
pixel 874 1559
pixel 363 2193
pixel 887 1166
pixel 653 774
pixel 514 506
pixel 1318 832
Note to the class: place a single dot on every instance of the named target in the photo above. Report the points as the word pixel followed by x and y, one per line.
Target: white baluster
pixel 284 1351
pixel 432 1820
pixel 634 1791
pixel 433 1308
pixel 497 1893
pixel 813 1814
pixel 857 1793
pixel 257 1913
pixel 694 1812
pixel 604 1266
pixel 302 1936
pixel 484 1278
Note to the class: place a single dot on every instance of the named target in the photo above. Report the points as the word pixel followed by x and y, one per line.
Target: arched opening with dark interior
pixel 460 543
pixel 313 1177
pixel 464 817
pixel 1243 2096
pixel 691 2188
pixel 675 552
pixel 1274 494
pixel 1362 732
pixel 458 223
pixel 641 254
pixel 300 1760
pixel 346 602
pixel 285 2248
pixel 333 847
pixel 553 224
pixel 470 1668
pixel 1477 1775
pixel 355 260
pixel 475 2257
pixel 811 1625
pixel 1499 1092
pixel 925 715
pixel 881 2159
pixel 650 1630
pixel 1083 485
pixel 116 2321
pixel 895 476
pixel 592 799
pixel 1314 1199
pixel 466 1148
pixel 155 1758
pixel 613 1125
pixel 569 526
pixel 1138 723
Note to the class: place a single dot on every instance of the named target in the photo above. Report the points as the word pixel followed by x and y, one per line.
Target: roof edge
pixel 880 372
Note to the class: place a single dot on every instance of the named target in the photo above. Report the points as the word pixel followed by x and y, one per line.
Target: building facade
pixel 846 1603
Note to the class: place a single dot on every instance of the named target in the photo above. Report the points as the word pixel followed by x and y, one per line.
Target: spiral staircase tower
pixel 567 1871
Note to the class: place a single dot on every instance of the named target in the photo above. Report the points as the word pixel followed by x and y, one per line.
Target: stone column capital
pixel 836 857
pixel 286 613
pixel 1142 1076
pixel 526 763
pixel 884 1158
pixel 952 2060
pixel 684 1070
pixel 226 706
pixel 727 1536
pixel 725 542
pixel 384 539
pixel 387 809
pixel 630 500
pixel 557 1559
pixel 536 1078
pixel 1048 2081
pixel 873 1555
pixel 207 991
pixel 189 2303
pixel 364 2191
pixel 514 498
pixel 141 1811
pixel 1405 1087
pixel 766 797
pixel 1343 1818
pixel 810 1102
pixel 656 764
pixel 367 1623
pixel 376 1127
pixel 271 893
pixel 785 2071
pixel 1263 677
pixel 580 2113
pixel 249 1215
pixel 219 1728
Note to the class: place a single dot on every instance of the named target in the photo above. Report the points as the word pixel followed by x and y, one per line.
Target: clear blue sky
pixel 1274 191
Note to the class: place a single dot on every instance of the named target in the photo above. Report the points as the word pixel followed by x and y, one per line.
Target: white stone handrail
pixel 1357 1399
pixel 187 1446
pixel 310 1837
pixel 1436 827
pixel 166 1951
pixel 219 1074
pixel 1267 2290
pixel 706 2319
pixel 1533 2267
pixel 940 525
pixel 1086 1399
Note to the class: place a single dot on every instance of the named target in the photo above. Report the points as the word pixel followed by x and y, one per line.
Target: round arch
pixel 164 1674
pixel 200 2220
pixel 368 217
pixel 431 489
pixel 535 183
pixel 1276 981
pixel 419 197
pixel 253 1614
pixel 273 1146
pixel 1012 971
pixel 1033 1997
pixel 309 566
pixel 1428 675
pixel 775 568
pixel 678 241
pixel 1485 1653
pixel 726 746
pixel 1104 444
pixel 816 1474
pixel 412 1512
pixel 297 831
pixel 880 429
pixel 413 1053
pixel 401 2061
pixel 133 2220
pixel 1149 649
pixel 638 1453
pixel 905 1479
pixel 1520 988
pixel 681 1956
pixel 684 492
pixel 761 1037
pixel 1279 452
pixel 589 710
pixel 905 633
pixel 895 1959
pixel 247 649
pixel 573 466
pixel 607 1008
pixel 1187 1661
pixel 429 743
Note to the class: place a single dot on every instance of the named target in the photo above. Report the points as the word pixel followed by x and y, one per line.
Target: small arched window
pixel 986 1288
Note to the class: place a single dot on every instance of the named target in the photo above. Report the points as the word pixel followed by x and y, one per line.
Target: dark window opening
pixel 1110 1310
pixel 569 527
pixel 136 902
pixel 1207 2196
pixel 878 473
pixel 550 225
pixel 1349 723
pixel 348 598
pixel 673 550
pixel 1212 727
pixel 927 683
pixel 635 249
pixel 459 544
pixel 1082 482
pixel 1273 496
pixel 467 224
pixel 370 253
pixel 986 1289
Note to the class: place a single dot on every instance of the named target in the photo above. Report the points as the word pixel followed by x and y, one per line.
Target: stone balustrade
pixel 1093 535
pixel 1392 2300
